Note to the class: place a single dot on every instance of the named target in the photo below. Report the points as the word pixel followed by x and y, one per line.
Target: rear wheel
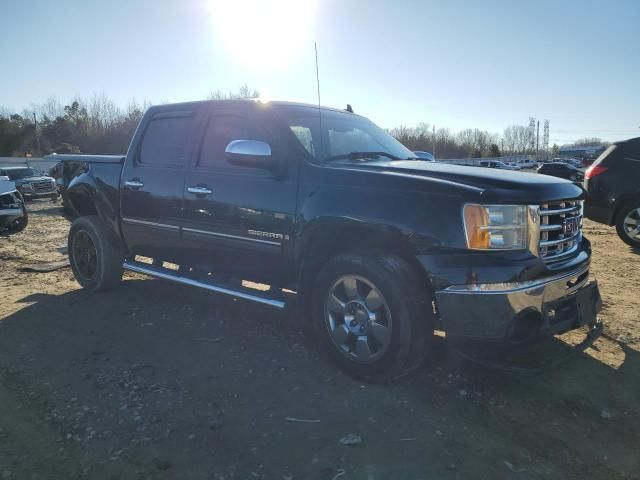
pixel 96 263
pixel 628 224
pixel 370 315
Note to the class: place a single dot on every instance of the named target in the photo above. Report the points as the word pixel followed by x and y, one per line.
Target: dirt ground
pixel 160 381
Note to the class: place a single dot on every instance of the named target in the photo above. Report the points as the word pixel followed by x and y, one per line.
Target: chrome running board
pixel 167 274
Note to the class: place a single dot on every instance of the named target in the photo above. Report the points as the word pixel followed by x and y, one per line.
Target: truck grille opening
pixel 560 229
pixel 42 186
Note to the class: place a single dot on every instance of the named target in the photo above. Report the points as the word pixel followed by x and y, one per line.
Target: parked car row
pixel 499 164
pixel 561 170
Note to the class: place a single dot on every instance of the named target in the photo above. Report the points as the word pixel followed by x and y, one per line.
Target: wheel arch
pixel 85 199
pixel 325 238
pixel 621 203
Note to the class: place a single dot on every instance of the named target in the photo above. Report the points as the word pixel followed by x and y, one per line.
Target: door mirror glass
pixel 250 153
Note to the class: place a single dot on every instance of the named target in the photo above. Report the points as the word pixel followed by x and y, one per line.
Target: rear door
pixel 238 220
pixel 153 180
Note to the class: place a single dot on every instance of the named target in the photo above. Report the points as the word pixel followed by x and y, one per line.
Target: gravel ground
pixel 154 380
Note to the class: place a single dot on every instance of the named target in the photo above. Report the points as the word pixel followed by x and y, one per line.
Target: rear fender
pixel 86 196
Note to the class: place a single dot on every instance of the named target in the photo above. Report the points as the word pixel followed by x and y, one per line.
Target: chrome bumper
pixel 554 304
pixel 34 194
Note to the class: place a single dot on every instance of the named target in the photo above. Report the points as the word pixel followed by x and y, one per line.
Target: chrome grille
pixel 42 186
pixel 560 229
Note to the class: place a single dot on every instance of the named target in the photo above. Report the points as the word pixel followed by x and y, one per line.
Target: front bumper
pixel 40 194
pixel 520 311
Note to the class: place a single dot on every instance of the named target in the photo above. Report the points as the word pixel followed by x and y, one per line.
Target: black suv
pixel 561 170
pixel 613 187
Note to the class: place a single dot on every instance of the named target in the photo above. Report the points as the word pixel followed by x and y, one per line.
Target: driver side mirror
pixel 250 153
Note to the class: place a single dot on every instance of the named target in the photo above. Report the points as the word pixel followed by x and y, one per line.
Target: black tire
pixel 620 226
pixel 107 271
pixel 409 306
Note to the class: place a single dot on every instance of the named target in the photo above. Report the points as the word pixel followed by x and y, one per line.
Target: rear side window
pixel 166 141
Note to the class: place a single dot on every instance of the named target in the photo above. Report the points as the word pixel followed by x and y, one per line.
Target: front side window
pixel 222 130
pixel 166 141
pixel 339 134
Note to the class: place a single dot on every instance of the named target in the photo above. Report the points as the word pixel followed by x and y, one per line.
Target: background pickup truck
pixel 379 247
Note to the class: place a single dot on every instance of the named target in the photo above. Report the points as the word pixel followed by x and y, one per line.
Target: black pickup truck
pixel 379 247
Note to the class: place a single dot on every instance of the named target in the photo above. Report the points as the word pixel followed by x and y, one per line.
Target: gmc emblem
pixel 570 226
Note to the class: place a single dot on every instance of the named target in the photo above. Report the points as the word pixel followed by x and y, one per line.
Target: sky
pixel 474 64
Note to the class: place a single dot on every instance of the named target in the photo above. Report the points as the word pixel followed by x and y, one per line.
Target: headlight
pixel 495 227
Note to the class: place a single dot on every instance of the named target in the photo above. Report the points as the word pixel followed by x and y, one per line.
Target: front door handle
pixel 199 190
pixel 134 184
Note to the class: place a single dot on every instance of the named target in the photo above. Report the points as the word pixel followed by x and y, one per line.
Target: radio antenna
pixel 315 46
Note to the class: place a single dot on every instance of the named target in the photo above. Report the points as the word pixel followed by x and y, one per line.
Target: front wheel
pixel 371 316
pixel 628 224
pixel 96 263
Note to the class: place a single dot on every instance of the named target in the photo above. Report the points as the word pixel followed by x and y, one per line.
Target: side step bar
pixel 166 274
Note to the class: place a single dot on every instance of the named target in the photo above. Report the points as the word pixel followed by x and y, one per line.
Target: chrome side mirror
pixel 250 153
pixel 254 148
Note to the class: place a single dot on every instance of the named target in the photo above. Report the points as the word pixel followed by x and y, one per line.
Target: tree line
pixel 470 142
pixel 99 125
pixel 94 125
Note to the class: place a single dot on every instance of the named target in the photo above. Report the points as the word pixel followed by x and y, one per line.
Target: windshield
pixel 342 136
pixel 18 173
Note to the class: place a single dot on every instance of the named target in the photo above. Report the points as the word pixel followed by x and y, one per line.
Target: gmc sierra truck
pixel 378 247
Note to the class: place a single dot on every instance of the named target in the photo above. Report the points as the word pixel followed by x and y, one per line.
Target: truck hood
pixel 21 181
pixel 501 186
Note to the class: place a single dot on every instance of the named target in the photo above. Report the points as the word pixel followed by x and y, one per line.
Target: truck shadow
pixel 152 358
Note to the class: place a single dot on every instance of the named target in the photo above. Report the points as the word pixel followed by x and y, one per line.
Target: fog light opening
pixel 525 326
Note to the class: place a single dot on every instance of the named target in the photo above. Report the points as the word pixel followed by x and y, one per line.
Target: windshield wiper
pixel 362 156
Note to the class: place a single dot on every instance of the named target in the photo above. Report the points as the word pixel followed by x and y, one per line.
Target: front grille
pixel 42 186
pixel 560 229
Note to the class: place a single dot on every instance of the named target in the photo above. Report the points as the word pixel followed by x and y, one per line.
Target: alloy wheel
pixel 358 319
pixel 631 224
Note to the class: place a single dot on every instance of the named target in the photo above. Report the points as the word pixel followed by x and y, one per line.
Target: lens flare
pixel 263 34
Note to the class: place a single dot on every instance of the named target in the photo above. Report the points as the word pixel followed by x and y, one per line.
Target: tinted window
pixel 222 130
pixel 166 141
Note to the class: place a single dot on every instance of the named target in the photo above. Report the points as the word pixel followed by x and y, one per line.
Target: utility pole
pixel 538 138
pixel 35 124
pixel 434 141
pixel 532 134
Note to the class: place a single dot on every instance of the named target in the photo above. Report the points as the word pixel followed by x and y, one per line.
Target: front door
pixel 237 220
pixel 153 180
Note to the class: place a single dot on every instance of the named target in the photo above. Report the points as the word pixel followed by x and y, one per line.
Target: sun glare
pixel 263 34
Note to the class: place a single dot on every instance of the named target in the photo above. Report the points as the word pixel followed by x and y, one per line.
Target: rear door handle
pixel 134 184
pixel 199 190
